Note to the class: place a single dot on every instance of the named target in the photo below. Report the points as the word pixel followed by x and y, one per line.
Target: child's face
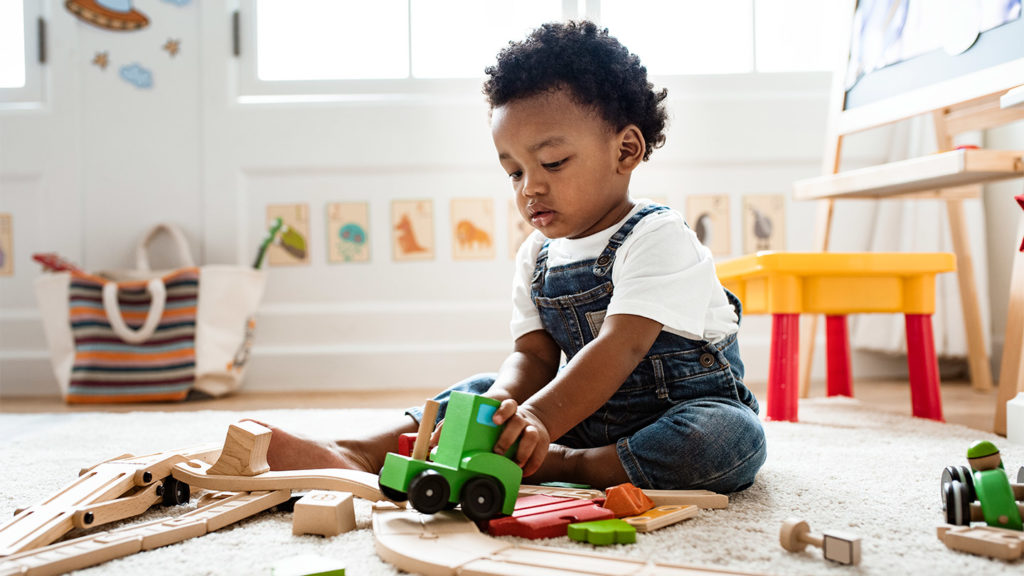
pixel 564 162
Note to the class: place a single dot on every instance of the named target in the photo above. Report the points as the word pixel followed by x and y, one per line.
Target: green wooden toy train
pixel 462 470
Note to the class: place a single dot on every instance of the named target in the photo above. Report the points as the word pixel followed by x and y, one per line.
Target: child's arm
pixel 583 386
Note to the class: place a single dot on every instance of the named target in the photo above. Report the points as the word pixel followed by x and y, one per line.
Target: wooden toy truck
pixel 463 468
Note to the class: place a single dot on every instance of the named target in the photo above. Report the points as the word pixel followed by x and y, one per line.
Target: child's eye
pixel 515 175
pixel 554 165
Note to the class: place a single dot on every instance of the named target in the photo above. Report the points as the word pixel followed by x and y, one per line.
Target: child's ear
pixel 631 148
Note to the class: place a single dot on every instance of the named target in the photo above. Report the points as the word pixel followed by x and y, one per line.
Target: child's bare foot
pixel 290 451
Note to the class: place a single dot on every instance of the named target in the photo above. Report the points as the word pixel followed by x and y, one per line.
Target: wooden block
pixel 603 532
pixel 308 565
pixel 627 500
pixel 547 516
pixel 406 442
pixel 702 498
pixel 661 516
pixel 244 452
pixel 324 512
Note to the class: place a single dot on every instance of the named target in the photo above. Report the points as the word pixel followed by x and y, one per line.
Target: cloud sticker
pixel 137 75
pixel 177 2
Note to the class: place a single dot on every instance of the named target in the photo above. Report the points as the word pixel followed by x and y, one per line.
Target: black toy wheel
pixel 481 498
pixel 429 492
pixel 392 494
pixel 957 504
pixel 961 474
pixel 176 492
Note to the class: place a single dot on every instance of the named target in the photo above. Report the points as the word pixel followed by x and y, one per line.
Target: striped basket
pixel 158 363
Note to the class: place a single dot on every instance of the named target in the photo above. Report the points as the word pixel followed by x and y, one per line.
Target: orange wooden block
pixel 627 500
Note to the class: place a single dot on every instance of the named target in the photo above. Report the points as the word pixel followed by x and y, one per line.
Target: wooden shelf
pixel 925 174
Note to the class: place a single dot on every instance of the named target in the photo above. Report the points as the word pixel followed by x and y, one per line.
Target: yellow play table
pixel 787 284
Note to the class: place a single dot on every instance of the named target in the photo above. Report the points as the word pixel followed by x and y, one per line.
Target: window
pixel 20 71
pixel 353 46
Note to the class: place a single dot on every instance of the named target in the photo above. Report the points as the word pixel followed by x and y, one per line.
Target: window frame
pixel 31 95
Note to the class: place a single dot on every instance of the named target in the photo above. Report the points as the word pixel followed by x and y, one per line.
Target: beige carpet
pixel 843 467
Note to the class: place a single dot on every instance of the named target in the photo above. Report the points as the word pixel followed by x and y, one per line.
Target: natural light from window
pixel 12 44
pixel 796 35
pixel 685 36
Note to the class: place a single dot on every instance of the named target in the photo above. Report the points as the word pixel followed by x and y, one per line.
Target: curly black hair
pixel 599 71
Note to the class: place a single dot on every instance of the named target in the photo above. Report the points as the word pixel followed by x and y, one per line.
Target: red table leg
pixel 783 380
pixel 923 367
pixel 837 346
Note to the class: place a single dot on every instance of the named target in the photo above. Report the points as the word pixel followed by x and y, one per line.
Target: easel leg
pixel 977 356
pixel 809 327
pixel 1011 373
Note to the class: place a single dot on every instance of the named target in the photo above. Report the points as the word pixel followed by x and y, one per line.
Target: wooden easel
pixel 957 105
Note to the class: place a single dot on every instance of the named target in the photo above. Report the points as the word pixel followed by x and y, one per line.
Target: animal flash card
pixel 412 230
pixel 708 216
pixel 518 229
pixel 289 246
pixel 764 223
pixel 6 246
pixel 472 229
pixel 348 225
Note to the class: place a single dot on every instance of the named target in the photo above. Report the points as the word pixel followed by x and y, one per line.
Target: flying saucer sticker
pixel 764 223
pixel 412 230
pixel 6 246
pixel 290 246
pixel 348 226
pixel 116 15
pixel 137 76
pixel 518 229
pixel 708 216
pixel 472 229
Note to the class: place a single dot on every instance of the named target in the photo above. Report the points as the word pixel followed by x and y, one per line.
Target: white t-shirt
pixel 661 272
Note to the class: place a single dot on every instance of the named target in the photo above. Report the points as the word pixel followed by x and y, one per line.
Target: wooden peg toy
pixel 795 535
pixel 422 445
pixel 324 512
pixel 245 450
pixel 627 500
pixel 603 532
pixel 661 516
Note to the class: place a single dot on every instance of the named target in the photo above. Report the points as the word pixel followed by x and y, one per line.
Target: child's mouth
pixel 542 218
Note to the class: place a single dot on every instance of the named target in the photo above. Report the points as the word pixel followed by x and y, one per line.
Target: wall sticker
pixel 117 15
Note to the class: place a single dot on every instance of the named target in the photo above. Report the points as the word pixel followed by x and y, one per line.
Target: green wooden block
pixel 308 565
pixel 603 532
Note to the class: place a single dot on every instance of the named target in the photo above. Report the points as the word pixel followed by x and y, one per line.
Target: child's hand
pixel 435 436
pixel 524 426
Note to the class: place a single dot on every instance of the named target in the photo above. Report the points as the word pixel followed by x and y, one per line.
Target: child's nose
pixel 534 184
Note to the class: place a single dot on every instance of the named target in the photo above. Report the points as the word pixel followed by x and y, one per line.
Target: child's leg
pixel 711 444
pixel 290 451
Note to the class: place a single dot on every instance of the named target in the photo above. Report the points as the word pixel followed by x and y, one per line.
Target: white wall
pixel 90 171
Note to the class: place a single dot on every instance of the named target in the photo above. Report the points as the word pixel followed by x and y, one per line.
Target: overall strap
pixel 540 267
pixel 604 262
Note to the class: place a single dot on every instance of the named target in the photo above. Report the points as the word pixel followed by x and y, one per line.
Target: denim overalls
pixel 683 419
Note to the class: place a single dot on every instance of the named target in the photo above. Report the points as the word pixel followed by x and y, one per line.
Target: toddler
pixel 652 388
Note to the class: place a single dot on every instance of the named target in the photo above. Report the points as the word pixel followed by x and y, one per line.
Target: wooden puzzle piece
pixel 447 544
pixel 578 493
pixel 103 546
pixel 539 516
pixel 661 516
pixel 325 513
pixel 988 541
pixel 702 498
pixel 627 500
pixel 603 532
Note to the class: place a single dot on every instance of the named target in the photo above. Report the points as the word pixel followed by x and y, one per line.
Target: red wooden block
pixel 406 443
pixel 541 516
pixel 627 500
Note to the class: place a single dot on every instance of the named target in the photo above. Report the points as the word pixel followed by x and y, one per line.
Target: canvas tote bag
pixel 141 335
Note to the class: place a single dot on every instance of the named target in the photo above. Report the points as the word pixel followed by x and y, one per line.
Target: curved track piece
pixel 449 543
pixel 361 484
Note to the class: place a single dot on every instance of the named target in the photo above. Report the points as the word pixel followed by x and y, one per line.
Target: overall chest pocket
pixel 579 315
